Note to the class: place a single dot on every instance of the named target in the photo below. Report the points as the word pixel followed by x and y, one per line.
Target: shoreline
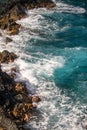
pixel 19 104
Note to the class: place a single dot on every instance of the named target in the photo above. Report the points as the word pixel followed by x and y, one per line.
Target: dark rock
pixel 16 103
pixel 8 40
pixel 6 57
pixel 19 97
pixel 20 88
pixel 5 123
pixel 15 9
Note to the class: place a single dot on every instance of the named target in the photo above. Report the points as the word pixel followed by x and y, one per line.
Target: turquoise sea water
pixel 52 51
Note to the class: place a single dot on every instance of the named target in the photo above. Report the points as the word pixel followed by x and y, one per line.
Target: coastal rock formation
pixel 6 56
pixel 15 10
pixel 17 105
pixel 15 102
pixel 6 123
pixel 9 25
pixel 7 5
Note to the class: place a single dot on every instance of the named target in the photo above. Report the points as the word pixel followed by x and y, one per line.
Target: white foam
pixel 62 7
pixel 62 113
pixel 44 67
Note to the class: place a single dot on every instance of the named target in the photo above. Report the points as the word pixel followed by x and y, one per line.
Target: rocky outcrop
pixel 6 56
pixel 9 25
pixel 30 4
pixel 16 103
pixel 14 10
pixel 6 123
pixel 7 21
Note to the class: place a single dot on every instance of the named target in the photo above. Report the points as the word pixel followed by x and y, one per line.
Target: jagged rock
pixel 21 111
pixel 15 10
pixel 6 57
pixel 36 99
pixel 20 87
pixel 8 40
pixel 13 32
pixel 30 4
pixel 5 123
pixel 15 101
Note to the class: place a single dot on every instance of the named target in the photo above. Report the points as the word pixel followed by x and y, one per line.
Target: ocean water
pixel 52 50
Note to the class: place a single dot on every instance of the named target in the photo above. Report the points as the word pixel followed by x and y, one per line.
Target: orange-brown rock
pixel 36 99
pixel 21 111
pixel 19 87
pixel 9 25
pixel 37 3
pixel 6 56
pixel 13 32
pixel 16 102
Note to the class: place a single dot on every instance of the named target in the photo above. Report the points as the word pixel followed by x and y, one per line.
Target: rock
pixel 8 40
pixel 14 10
pixel 30 4
pixel 19 87
pixel 22 109
pixel 6 57
pixel 15 101
pixel 36 99
pixel 17 12
pixel 13 31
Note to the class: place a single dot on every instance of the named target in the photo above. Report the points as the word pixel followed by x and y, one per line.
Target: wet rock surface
pixel 8 40
pixel 6 123
pixel 16 103
pixel 14 10
pixel 17 106
pixel 6 56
